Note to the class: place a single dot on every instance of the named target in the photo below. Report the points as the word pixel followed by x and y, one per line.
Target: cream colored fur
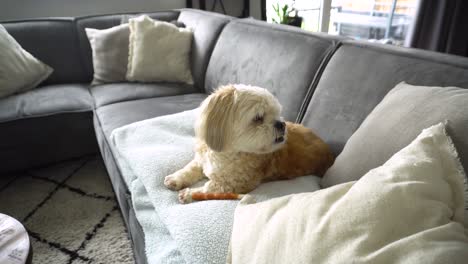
pixel 240 143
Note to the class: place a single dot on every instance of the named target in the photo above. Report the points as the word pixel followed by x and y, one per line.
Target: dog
pixel 242 141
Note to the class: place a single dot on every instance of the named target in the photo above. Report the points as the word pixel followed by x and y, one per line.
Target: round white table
pixel 14 241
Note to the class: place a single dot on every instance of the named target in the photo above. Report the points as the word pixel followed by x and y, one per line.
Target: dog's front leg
pixel 185 177
pixel 185 195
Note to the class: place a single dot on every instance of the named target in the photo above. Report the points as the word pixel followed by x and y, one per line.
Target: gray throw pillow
pixel 404 112
pixel 19 70
pixel 110 53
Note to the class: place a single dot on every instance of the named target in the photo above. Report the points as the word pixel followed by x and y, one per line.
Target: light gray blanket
pixel 149 150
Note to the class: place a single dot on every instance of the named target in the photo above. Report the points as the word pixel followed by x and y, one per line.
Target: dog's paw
pixel 185 196
pixel 173 183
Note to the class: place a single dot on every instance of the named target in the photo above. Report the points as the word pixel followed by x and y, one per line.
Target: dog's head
pixel 240 118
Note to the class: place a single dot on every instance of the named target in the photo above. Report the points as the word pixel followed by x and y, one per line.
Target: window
pixel 386 21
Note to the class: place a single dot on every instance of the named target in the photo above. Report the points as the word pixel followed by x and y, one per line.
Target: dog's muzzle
pixel 280 129
pixel 280 126
pixel 279 139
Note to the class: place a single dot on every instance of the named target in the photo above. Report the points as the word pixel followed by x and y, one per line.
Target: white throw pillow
pixel 409 210
pixel 19 70
pixel 158 51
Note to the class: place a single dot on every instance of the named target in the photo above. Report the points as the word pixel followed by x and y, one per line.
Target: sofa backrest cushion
pixel 281 59
pixel 206 28
pixel 54 42
pixel 103 22
pixel 360 74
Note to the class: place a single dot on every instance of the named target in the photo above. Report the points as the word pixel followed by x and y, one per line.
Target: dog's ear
pixel 214 124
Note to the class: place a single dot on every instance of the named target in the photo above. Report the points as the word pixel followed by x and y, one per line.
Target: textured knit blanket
pixel 149 150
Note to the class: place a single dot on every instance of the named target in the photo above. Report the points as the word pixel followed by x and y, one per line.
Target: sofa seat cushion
pixel 119 92
pixel 36 126
pixel 116 115
pixel 45 101
pixel 31 142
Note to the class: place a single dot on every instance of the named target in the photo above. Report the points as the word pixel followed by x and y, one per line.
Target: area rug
pixel 70 212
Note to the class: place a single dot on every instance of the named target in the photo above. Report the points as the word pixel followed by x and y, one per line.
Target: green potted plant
pixel 284 15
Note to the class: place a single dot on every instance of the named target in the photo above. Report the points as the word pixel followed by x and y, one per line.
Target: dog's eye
pixel 258 119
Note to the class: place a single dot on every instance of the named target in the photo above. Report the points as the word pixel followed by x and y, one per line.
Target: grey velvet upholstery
pixel 47 100
pixel 330 82
pixel 282 59
pixel 206 28
pixel 33 123
pixel 54 42
pixel 138 237
pixel 31 142
pixel 359 75
pixel 118 92
pixel 103 22
pixel 395 122
pixel 122 194
pixel 116 115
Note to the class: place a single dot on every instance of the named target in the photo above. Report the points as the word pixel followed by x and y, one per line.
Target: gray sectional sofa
pixel 328 83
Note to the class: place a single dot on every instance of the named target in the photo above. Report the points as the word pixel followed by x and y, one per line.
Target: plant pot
pixel 295 21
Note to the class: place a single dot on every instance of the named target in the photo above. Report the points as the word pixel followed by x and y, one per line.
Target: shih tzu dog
pixel 242 141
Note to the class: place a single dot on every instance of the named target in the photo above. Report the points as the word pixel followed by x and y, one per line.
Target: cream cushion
pixel 409 210
pixel 158 51
pixel 395 122
pixel 19 70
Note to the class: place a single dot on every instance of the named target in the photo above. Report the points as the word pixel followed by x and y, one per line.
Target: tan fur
pixel 219 120
pixel 304 153
pixel 237 153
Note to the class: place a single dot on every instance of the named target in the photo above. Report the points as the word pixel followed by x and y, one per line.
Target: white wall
pixel 19 9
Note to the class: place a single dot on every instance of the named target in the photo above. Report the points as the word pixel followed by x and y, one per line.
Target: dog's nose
pixel 279 140
pixel 280 125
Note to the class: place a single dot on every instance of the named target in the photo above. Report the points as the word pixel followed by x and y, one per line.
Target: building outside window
pixel 385 21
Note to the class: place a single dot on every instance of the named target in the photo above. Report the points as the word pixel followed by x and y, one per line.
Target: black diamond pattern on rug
pixel 70 212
